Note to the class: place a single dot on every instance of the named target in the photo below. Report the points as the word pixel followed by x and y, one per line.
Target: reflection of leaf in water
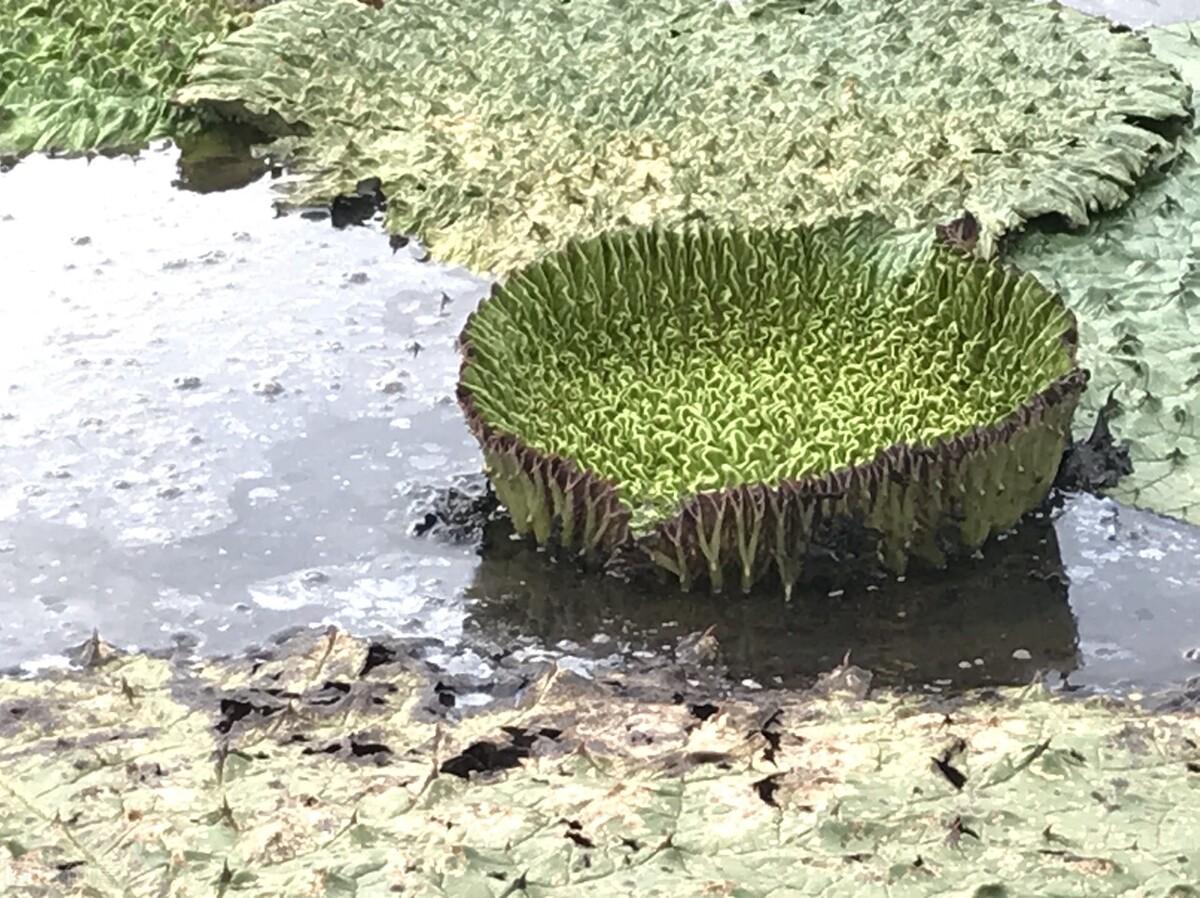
pixel 1134 281
pixel 500 131
pixel 846 802
pixel 1013 597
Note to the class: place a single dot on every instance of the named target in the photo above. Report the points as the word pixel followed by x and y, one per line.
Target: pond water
pixel 217 424
pixel 1138 13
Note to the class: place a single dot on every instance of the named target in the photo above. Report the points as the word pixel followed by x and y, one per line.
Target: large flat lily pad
pixel 329 768
pixel 501 131
pixel 83 75
pixel 1134 281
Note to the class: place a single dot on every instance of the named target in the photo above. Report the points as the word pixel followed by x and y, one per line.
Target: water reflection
pixel 997 619
pixel 1104 594
pixel 220 158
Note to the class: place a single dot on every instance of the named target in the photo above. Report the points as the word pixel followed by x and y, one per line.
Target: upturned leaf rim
pixel 618 541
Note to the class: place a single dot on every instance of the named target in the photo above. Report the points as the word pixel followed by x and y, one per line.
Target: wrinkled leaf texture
pixel 502 130
pixel 116 782
pixel 79 75
pixel 1133 279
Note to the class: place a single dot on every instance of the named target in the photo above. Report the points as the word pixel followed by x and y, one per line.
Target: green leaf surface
pixel 723 397
pixel 502 130
pixel 112 784
pixel 80 75
pixel 1133 279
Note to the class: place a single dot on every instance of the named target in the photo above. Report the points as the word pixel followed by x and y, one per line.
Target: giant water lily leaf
pixel 322 772
pixel 1134 281
pixel 501 130
pixel 87 74
pixel 722 402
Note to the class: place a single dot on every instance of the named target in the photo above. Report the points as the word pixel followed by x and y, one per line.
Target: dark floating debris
pixel 957 830
pixel 767 787
pixel 378 655
pixel 486 756
pixel 961 234
pixel 845 679
pixel 942 763
pixel 359 207
pixel 699 649
pixel 93 653
pixel 457 513
pixel 1099 461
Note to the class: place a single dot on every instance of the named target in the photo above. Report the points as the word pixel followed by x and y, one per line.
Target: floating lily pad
pixel 1133 280
pixel 500 131
pixel 717 399
pixel 95 74
pixel 321 771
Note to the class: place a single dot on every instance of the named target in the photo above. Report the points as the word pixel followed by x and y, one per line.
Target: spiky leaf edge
pixel 560 504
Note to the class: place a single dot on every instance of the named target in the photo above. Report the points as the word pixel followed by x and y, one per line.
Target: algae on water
pixel 1133 279
pixel 79 75
pixel 502 130
pixel 325 771
pixel 832 373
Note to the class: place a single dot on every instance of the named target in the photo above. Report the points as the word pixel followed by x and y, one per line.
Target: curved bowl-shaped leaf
pixel 717 401
pixel 501 130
